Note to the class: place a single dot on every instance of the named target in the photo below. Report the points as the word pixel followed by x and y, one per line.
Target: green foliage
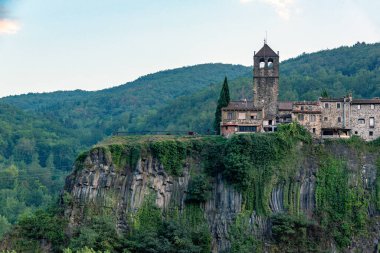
pixel 224 99
pixel 377 185
pixel 98 233
pixel 123 155
pixel 241 235
pixel 324 94
pixel 171 153
pixel 296 234
pixel 5 226
pixel 199 189
pixel 253 162
pixel 83 250
pixel 342 210
pixel 174 232
pixel 40 225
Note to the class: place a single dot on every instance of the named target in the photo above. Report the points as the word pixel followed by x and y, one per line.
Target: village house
pixel 324 118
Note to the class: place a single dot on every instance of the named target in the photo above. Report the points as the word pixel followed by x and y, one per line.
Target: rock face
pixel 99 183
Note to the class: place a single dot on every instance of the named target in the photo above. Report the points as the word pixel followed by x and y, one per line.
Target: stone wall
pixel 365 113
pixel 335 114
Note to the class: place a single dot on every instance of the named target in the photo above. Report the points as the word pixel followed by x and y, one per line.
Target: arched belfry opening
pixel 270 63
pixel 262 63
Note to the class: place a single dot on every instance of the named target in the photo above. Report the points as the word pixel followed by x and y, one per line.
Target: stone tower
pixel 265 81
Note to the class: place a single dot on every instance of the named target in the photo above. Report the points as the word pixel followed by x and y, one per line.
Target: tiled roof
pixel 331 99
pixel 306 103
pixel 285 106
pixel 241 105
pixel 366 101
pixel 266 51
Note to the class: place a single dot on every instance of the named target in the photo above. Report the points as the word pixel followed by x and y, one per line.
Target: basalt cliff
pixel 251 193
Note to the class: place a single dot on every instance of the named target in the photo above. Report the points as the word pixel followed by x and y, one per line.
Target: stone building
pixel 324 118
pixel 309 115
pixel 364 116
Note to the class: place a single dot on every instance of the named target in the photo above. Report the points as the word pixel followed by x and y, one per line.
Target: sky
pixel 48 45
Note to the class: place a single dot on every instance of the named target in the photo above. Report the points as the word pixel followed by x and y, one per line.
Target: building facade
pixel 324 118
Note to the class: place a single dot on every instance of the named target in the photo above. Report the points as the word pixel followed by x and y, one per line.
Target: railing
pixel 190 133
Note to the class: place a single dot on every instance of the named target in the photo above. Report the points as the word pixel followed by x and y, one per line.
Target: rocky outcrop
pixel 99 183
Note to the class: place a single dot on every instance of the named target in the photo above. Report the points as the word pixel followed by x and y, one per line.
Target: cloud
pixel 8 26
pixel 283 8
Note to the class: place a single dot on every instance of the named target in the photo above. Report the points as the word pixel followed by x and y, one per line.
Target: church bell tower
pixel 265 81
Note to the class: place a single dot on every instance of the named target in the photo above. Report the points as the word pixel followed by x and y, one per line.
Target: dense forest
pixel 41 134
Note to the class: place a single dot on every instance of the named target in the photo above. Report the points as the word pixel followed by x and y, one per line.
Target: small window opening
pixel 356 132
pixel 372 122
pixel 338 105
pixel 270 63
pixel 370 133
pixel 262 63
pixel 359 106
pixel 361 121
pixel 313 118
pixel 300 117
pixel 372 106
pixel 302 108
pixel 314 130
pixel 339 119
pixel 326 105
pixel 325 119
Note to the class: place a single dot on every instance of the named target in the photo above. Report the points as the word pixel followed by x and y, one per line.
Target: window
pixel 372 106
pixel 359 107
pixel 326 105
pixel 230 115
pixel 313 118
pixel 241 115
pixel 338 105
pixel 372 122
pixel 361 121
pixel 325 119
pixel 356 132
pixel 339 119
pixel 270 63
pixel 247 128
pixel 314 130
pixel 300 117
pixel 262 63
pixel 370 133
pixel 253 117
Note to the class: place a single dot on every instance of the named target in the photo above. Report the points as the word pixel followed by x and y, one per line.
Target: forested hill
pixel 355 69
pixel 184 98
pixel 41 134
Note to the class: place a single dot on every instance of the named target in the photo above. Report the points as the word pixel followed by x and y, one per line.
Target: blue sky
pixel 48 45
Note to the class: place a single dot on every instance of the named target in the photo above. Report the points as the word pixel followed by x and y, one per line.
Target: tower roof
pixel 266 51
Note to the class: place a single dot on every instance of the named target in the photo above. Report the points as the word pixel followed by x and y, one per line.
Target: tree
pixel 324 94
pixel 224 99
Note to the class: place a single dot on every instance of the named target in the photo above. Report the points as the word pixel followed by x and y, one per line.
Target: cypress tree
pixel 224 99
pixel 324 94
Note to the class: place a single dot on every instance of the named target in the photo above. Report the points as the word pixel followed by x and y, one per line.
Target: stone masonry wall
pixel 365 112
